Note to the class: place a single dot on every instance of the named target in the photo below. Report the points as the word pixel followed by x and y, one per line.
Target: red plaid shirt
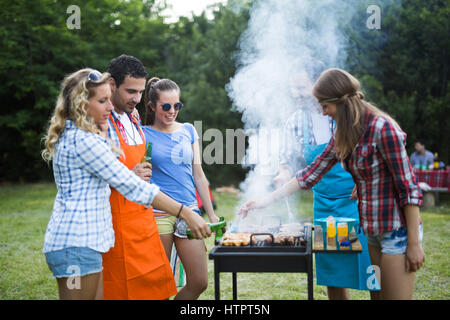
pixel 382 172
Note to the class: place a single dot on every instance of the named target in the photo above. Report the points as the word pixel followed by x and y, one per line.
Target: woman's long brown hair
pixel 341 88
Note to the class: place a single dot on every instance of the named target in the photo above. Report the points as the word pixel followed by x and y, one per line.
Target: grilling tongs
pixel 218 228
pixel 290 215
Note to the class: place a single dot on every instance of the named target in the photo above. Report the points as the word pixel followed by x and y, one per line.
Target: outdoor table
pixel 438 180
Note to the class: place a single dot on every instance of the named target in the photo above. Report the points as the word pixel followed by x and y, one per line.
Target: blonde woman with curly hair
pixel 84 166
pixel 371 146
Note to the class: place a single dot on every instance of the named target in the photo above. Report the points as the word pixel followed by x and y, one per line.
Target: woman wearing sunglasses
pixel 84 166
pixel 177 171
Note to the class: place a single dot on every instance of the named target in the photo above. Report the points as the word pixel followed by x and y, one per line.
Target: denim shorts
pixel 393 242
pixel 181 226
pixel 74 261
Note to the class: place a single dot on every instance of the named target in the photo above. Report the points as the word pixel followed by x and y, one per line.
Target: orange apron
pixel 137 266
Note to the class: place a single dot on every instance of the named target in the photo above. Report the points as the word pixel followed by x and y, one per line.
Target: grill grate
pixel 298 242
pixel 274 238
pixel 264 257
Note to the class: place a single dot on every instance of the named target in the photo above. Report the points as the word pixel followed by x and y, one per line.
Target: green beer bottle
pixel 148 154
pixel 218 227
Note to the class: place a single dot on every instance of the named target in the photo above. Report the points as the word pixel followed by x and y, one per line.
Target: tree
pixel 404 66
pixel 201 60
pixel 37 50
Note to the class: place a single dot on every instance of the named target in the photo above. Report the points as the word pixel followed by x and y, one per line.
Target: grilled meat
pixel 286 235
pixel 236 239
pixel 266 239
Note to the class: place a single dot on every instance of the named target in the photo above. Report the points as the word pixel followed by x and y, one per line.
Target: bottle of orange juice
pixel 342 232
pixel 331 233
pixel 342 229
pixel 331 227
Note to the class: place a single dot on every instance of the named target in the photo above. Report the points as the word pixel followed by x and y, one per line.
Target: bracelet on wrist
pixel 179 212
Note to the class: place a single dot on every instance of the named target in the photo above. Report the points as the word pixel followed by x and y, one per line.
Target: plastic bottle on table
pixel 331 232
pixel 436 161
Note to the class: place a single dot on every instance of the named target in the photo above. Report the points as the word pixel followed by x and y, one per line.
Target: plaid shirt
pixel 84 167
pixel 382 172
pixel 434 178
pixel 291 152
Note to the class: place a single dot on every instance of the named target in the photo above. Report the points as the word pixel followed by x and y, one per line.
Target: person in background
pixel 307 133
pixel 177 171
pixel 371 146
pixel 84 166
pixel 421 158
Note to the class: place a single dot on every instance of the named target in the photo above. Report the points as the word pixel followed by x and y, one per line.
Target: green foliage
pixel 201 61
pixel 37 50
pixel 203 76
pixel 403 67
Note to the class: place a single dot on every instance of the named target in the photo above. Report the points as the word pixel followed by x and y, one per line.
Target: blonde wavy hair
pixel 72 102
pixel 341 88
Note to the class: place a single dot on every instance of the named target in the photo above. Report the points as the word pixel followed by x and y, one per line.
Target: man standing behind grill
pixel 306 134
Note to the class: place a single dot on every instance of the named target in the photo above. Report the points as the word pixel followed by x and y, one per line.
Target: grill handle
pixel 261 234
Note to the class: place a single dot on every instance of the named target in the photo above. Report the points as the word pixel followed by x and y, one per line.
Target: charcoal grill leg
pixel 234 286
pixel 216 280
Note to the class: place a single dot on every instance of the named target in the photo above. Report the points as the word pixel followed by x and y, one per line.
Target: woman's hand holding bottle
pixel 196 224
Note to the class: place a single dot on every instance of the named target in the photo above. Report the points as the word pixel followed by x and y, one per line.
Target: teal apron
pixel 332 197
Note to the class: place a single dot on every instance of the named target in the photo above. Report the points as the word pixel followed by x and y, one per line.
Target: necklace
pixel 129 135
pixel 132 137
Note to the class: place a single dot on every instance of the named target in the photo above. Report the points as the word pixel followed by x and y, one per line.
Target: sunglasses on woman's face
pixel 177 106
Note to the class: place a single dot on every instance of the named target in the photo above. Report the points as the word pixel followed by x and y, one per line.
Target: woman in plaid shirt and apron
pixel 371 146
pixel 84 165
pixel 306 135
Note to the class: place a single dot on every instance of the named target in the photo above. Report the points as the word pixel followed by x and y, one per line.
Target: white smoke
pixel 281 40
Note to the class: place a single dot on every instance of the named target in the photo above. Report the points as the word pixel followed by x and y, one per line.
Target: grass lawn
pixel 25 211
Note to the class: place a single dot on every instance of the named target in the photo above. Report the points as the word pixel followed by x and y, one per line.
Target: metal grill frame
pixel 268 258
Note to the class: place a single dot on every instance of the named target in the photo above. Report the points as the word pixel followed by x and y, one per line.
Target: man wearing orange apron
pixel 137 266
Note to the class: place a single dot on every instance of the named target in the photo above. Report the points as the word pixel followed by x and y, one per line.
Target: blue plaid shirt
pixel 84 166
pixel 291 152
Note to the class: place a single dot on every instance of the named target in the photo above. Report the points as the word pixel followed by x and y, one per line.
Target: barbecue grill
pixel 261 256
